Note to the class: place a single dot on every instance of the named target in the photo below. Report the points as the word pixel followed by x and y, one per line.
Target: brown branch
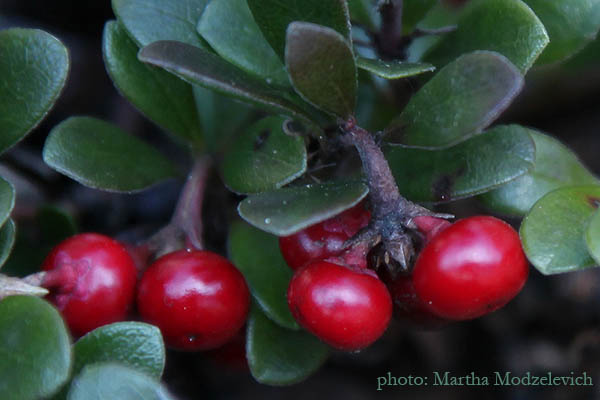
pixel 185 227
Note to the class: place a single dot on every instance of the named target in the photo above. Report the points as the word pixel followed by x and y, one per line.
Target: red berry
pixel 408 307
pixel 430 226
pixel 324 239
pixel 92 279
pixel 348 309
pixel 471 268
pixel 198 299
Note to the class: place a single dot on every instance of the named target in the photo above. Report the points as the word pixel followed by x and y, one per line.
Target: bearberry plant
pixel 343 133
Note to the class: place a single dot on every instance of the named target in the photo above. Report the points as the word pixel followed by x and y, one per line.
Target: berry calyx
pixel 198 299
pixel 348 309
pixel 471 268
pixel 91 279
pixel 325 239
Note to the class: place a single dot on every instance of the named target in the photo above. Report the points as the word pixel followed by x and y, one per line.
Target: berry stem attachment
pixel 393 215
pixel 185 227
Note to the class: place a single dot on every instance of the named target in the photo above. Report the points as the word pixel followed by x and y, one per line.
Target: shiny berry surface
pixel 471 268
pixel 348 309
pixel 198 299
pixel 91 279
pixel 324 239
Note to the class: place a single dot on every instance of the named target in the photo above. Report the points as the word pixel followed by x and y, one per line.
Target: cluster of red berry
pixel 200 300
pixel 464 270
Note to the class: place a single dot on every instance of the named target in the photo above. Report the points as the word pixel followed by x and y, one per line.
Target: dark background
pixel 553 325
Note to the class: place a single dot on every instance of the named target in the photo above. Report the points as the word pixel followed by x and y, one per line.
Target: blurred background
pixel 553 325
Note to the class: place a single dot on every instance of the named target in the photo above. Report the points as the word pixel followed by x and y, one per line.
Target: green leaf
pixel 229 28
pixel 571 24
pixel 440 15
pixel 135 344
pixel 279 356
pixel 221 117
pixel 202 68
pixel 162 97
pixel 286 211
pixel 555 166
pixel 274 16
pixel 102 156
pixel 34 67
pixel 553 231
pixel 7 200
pixel 149 21
pixel 321 66
pixel 103 381
pixel 263 158
pixel 393 69
pixel 592 237
pixel 49 227
pixel 55 225
pixel 472 167
pixel 365 13
pixel 35 348
pixel 508 27
pixel 413 11
pixel 256 254
pixel 458 102
pixel 7 240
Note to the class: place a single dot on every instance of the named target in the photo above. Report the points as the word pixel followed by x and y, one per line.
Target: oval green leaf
pixel 286 211
pixel 35 348
pixel 592 237
pixel 413 11
pixel 393 69
pixel 34 67
pixel 364 12
pixel 162 97
pixel 49 227
pixel 229 28
pixel 135 344
pixel 458 102
pixel 264 158
pixel 149 21
pixel 321 67
pixel 221 117
pixel 508 27
pixel 7 199
pixel 274 16
pixel 256 254
pixel 55 225
pixel 104 381
pixel 472 167
pixel 7 240
pixel 279 356
pixel 553 231
pixel 441 15
pixel 571 24
pixel 102 156
pixel 555 166
pixel 202 68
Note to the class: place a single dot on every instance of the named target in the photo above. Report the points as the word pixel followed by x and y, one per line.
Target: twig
pixel 185 227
